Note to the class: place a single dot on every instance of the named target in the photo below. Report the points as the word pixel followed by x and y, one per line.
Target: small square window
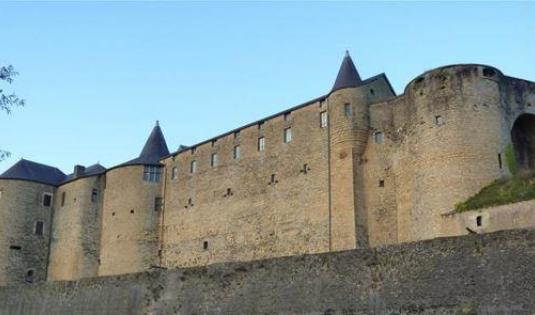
pixel 378 137
pixel 214 160
pixel 39 228
pixel 47 199
pixel 347 110
pixel 236 152
pixel 439 120
pixel 261 144
pixel 193 167
pixel 174 173
pixel 205 245
pixel 381 183
pixel 323 119
pixel 479 220
pixel 287 135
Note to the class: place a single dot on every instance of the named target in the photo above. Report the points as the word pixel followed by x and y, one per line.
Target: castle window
pixel 15 247
pixel 205 245
pixel 381 183
pixel 62 199
pixel 193 167
pixel 500 163
pixel 479 220
pixel 132 211
pixel 261 125
pixel 323 119
pixel 29 276
pixel 157 203
pixel 439 120
pixel 236 134
pixel 174 173
pixel 214 160
pixel 236 152
pixel 372 92
pixel 47 199
pixel 94 195
pixel 39 228
pixel 378 137
pixel 287 135
pixel 151 173
pixel 347 110
pixel 287 116
pixel 261 144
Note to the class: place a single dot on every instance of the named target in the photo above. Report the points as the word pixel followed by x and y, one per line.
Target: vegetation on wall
pixel 519 187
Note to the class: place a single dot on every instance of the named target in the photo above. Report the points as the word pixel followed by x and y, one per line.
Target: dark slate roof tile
pixel 36 172
pixel 348 75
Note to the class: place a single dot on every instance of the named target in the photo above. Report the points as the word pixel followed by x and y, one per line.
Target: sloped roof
pixel 32 171
pixel 95 169
pixel 348 75
pixel 154 149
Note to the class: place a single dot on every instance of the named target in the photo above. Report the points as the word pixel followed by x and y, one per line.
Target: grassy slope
pixel 500 192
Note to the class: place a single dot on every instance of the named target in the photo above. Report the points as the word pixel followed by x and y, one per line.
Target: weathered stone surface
pixel 476 274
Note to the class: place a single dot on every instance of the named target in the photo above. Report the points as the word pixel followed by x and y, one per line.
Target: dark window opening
pixel 157 203
pixel 29 276
pixel 94 195
pixel 381 183
pixel 378 137
pixel 372 92
pixel 39 228
pixel 47 200
pixel 305 169
pixel 205 245
pixel 439 120
pixel 15 247
pixel 131 210
pixel 500 163
pixel 113 214
pixel 261 125
pixel 62 199
pixel 287 116
pixel 213 143
pixel 479 220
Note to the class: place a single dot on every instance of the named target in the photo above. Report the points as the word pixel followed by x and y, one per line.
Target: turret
pixel 132 200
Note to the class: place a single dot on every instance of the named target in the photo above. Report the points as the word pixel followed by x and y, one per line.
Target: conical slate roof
pixel 36 172
pixel 348 75
pixel 154 149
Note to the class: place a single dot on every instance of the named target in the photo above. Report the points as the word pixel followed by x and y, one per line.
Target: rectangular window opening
pixel 15 247
pixel 47 199
pixel 236 152
pixel 157 203
pixel 439 120
pixel 62 199
pixel 323 119
pixel 378 137
pixel 151 173
pixel 261 144
pixel 287 116
pixel 479 220
pixel 347 110
pixel 39 228
pixel 205 245
pixel 381 183
pixel 214 160
pixel 500 162
pixel 174 173
pixel 193 167
pixel 287 135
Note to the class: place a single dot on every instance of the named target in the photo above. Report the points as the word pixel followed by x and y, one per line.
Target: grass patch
pixel 501 192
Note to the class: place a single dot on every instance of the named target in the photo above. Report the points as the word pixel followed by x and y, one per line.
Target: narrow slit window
pixel 39 228
pixel 214 160
pixel 94 195
pixel 287 135
pixel 323 119
pixel 174 173
pixel 205 245
pixel 347 110
pixel 62 199
pixel 193 167
pixel 500 162
pixel 157 203
pixel 479 220
pixel 29 276
pixel 236 152
pixel 261 144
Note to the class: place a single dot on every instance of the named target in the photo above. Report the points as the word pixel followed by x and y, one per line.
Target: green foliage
pixel 510 159
pixel 8 101
pixel 500 192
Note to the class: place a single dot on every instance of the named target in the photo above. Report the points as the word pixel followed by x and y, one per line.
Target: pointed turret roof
pixel 35 172
pixel 348 75
pixel 154 149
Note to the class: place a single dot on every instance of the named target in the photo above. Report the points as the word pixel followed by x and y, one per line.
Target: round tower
pixel 131 210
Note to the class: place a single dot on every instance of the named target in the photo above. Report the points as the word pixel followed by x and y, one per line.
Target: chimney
pixel 79 170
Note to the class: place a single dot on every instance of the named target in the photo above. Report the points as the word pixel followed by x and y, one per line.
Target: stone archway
pixel 523 137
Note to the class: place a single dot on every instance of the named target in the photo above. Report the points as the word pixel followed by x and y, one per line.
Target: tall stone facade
pixel 358 167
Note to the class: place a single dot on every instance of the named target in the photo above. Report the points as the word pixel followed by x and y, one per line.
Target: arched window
pixel 523 137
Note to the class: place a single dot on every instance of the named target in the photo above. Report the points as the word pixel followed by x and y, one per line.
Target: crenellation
pixel 358 167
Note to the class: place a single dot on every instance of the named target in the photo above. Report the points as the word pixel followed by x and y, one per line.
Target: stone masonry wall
pixel 21 249
pixel 75 242
pixel 476 274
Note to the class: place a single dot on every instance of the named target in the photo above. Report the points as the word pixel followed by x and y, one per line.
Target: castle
pixel 357 167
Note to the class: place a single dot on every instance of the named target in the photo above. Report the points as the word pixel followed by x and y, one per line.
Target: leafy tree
pixel 8 101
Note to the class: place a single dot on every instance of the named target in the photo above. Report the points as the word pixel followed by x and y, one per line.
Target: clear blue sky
pixel 97 75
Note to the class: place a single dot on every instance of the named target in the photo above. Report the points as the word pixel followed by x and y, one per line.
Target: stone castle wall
pixel 21 249
pixel 477 274
pixel 75 242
